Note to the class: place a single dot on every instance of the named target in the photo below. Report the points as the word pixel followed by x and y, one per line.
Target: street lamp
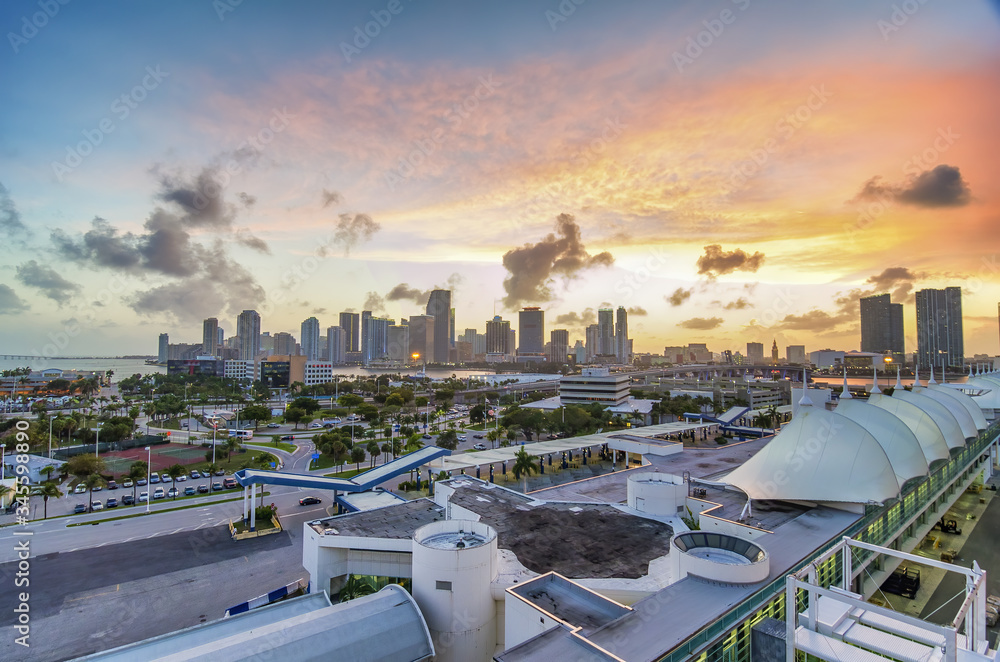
pixel 888 363
pixel 149 461
pixel 3 449
pixel 97 442
pixel 50 436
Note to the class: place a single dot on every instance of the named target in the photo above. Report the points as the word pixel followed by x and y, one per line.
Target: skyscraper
pixel 531 324
pixel 755 353
pixel 398 342
pixel 939 327
pixel 439 305
pixel 350 322
pixel 210 337
pixel 284 344
pixel 363 343
pixel 882 327
pixel 310 339
pixel 497 334
pixel 422 337
pixel 163 350
pixel 336 345
pixel 622 349
pixel 559 345
pixel 593 339
pixel 606 331
pixel 248 329
pixel 376 336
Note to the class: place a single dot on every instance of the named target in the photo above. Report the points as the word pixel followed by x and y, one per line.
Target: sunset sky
pixel 729 170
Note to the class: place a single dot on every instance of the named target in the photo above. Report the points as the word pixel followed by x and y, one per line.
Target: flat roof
pixel 358 501
pixel 396 521
pixel 569 602
pixel 578 540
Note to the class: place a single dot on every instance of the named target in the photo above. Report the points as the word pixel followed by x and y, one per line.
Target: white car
pixel 80 489
pixel 273 425
pixel 143 496
pixel 96 505
pixel 315 424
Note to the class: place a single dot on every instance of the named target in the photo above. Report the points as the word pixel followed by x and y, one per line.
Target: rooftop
pixel 398 521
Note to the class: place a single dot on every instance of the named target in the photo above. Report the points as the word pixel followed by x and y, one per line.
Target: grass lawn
pixel 262 525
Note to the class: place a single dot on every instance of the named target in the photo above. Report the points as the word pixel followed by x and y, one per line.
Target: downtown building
pixel 498 340
pixel 210 337
pixel 940 341
pixel 439 307
pixel 309 338
pixel 531 325
pixel 248 332
pixel 882 327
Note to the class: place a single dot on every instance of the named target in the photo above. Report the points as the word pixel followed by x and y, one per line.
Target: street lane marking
pixel 95 595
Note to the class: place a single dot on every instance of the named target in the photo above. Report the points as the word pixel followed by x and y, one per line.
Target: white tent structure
pixel 954 433
pixel 898 441
pixel 944 394
pixel 923 426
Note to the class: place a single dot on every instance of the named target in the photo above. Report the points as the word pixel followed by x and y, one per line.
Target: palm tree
pixel 4 492
pixel 232 445
pixel 356 586
pixel 493 435
pixel 90 482
pixel 373 451
pixel 175 471
pixel 46 490
pixel 138 471
pixel 524 466
pixel 212 468
pixel 47 471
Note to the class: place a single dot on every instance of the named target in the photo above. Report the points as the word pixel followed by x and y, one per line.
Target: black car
pixel 286 437
pixel 203 489
pixel 427 436
pixel 216 487
pixel 111 503
pixel 128 500
pixel 309 500
pixel 79 508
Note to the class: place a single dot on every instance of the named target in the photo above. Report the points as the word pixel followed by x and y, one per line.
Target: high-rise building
pixel 350 322
pixel 940 339
pixel 398 343
pixel 592 337
pixel 163 350
pixel 623 348
pixel 310 338
pixel 422 338
pixel 795 354
pixel 531 324
pixel 220 337
pixel 210 337
pixel 376 336
pixel 606 331
pixel 336 345
pixel 559 345
pixel 363 342
pixel 248 329
pixel 882 327
pixel 498 336
pixel 755 353
pixel 284 344
pixel 439 305
pixel 774 352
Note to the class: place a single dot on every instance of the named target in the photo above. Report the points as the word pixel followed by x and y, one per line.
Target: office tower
pixel 221 337
pixel 497 336
pixel 774 352
pixel 622 349
pixel 795 354
pixel 479 344
pixel 398 343
pixel 363 335
pixel 350 322
pixel 210 337
pixel 310 339
pixel 559 345
pixel 422 338
pixel 593 339
pixel 755 353
pixel 284 344
pixel 266 343
pixel 439 305
pixel 606 331
pixel 531 324
pixel 939 327
pixel 375 334
pixel 248 329
pixel 882 326
pixel 336 345
pixel 451 327
pixel 163 350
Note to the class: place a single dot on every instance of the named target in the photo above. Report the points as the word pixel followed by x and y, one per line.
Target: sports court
pixel 118 462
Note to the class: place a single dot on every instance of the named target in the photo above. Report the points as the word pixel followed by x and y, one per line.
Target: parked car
pixel 154 478
pixel 182 478
pixel 128 500
pixel 286 437
pixel 427 436
pixel 273 425
pixel 216 487
pixel 112 485
pixel 480 447
pixel 127 483
pixel 220 472
pixel 309 500
pixel 189 490
pixel 79 508
pixel 80 489
pixel 195 474
pixel 202 489
pixel 143 496
pixel 111 503
pixel 230 483
pixel 159 494
pixel 141 482
pixel 172 492
pixel 98 488
pixel 96 505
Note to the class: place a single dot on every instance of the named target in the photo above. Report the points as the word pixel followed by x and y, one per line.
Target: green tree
pixel 90 481
pixel 232 445
pixel 47 471
pixel 524 466
pixel 448 440
pixel 421 401
pixel 256 413
pixel 308 405
pixel 356 587
pixel 350 401
pixel 357 457
pixel 373 451
pixel 46 490
pixel 175 471
pixel 294 415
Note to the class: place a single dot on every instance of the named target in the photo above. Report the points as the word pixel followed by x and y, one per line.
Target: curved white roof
pixel 937 391
pixel 819 456
pixel 989 400
pixel 953 433
pixel 923 426
pixel 897 440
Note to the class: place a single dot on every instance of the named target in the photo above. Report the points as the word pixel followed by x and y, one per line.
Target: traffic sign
pixel 315 456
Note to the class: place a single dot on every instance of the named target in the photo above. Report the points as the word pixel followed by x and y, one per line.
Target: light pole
pixel 97 442
pixel 50 437
pixel 149 460
pixel 3 449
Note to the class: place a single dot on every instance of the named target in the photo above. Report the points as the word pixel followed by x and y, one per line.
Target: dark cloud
pixel 941 187
pixel 374 302
pixel 200 198
pixel 352 230
pixel 739 304
pixel 679 296
pixel 247 200
pixel 403 292
pixel 319 311
pixel 532 268
pixel 717 262
pixel 10 217
pixel 244 237
pixel 101 246
pixel 638 311
pixel 330 198
pixel 46 279
pixel 701 323
pixel 577 320
pixel 898 279
pixel 814 320
pixel 10 303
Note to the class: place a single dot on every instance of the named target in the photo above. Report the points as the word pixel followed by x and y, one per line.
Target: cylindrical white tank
pixel 719 557
pixel 454 562
pixel 657 493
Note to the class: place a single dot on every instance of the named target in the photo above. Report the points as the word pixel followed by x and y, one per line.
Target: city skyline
pixel 657 158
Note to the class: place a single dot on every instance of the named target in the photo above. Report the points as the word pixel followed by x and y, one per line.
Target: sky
pixel 729 171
